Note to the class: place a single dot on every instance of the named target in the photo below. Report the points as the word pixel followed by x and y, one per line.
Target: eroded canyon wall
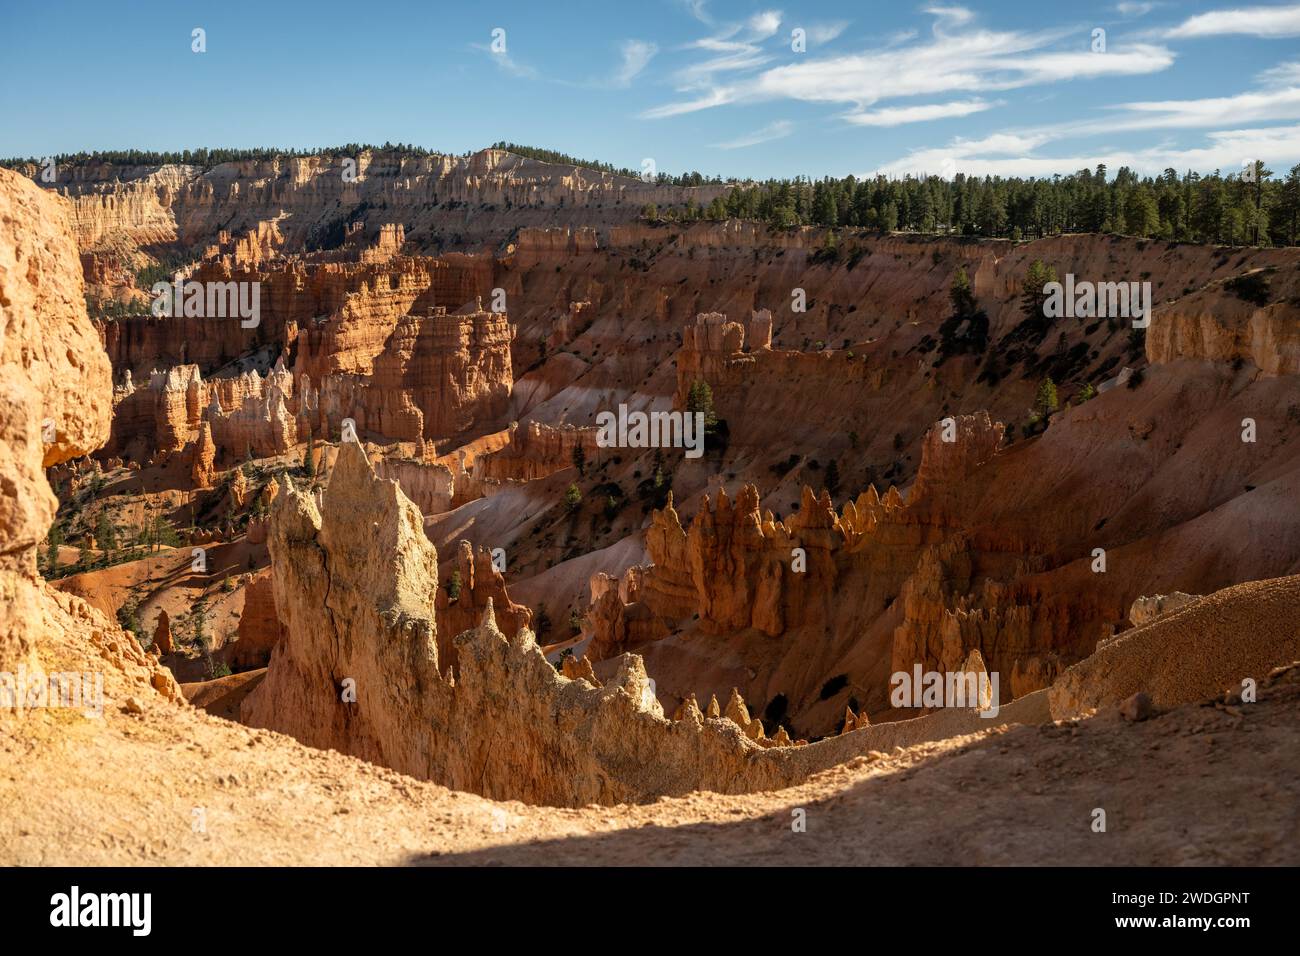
pixel 443 201
pixel 359 670
pixel 55 403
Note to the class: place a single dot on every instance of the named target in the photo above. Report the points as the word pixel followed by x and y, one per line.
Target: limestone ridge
pixel 355 580
pixel 428 193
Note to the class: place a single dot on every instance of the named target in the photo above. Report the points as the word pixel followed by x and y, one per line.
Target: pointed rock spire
pixel 689 709
pixel 850 721
pixel 736 709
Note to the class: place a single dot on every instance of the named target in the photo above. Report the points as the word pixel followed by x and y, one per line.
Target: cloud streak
pixel 505 63
pixel 899 115
pixel 637 55
pixel 958 57
pixel 1017 154
pixel 1249 21
pixel 772 131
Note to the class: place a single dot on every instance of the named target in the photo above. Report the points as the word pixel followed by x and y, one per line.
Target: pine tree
pixel 308 456
pixel 992 212
pixel 825 212
pixel 55 538
pixel 830 245
pixel 105 536
pixel 1045 402
pixel 700 399
pixel 889 217
pixel 580 459
pixel 198 625
pixel 1032 295
pixel 1141 215
pixel 128 615
pixel 832 477
pixel 1286 214
pixel 961 295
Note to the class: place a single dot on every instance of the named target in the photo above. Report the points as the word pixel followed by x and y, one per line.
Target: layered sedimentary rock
pixel 162 634
pixel 435 375
pixel 262 243
pixel 108 279
pixel 454 367
pixel 376 285
pixel 158 419
pixel 708 344
pixel 535 450
pixel 980 556
pixel 370 335
pixel 1254 324
pixel 142 413
pixel 430 486
pixel 429 194
pixel 242 415
pixel 619 616
pixel 53 392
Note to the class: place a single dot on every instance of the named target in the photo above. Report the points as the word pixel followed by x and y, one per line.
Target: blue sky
pixel 1003 87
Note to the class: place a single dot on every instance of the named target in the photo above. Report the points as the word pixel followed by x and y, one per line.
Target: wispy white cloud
pixel 1283 21
pixel 731 59
pixel 899 115
pixel 820 33
pixel 734 48
pixel 776 130
pixel 949 17
pixel 505 63
pixel 716 97
pixel 958 57
pixel 981 61
pixel 1253 107
pixel 1284 74
pixel 637 55
pixel 1133 10
pixel 1018 154
pixel 765 24
pixel 699 10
